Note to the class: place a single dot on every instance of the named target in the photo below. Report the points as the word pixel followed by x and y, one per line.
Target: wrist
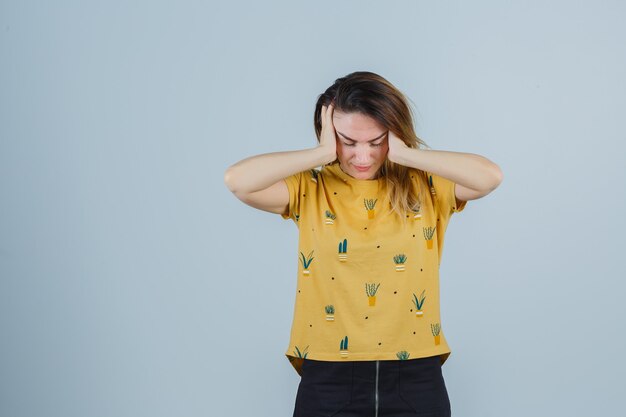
pixel 398 156
pixel 327 154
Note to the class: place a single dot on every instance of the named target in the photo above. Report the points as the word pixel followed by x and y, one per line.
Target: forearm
pixel 259 172
pixel 467 169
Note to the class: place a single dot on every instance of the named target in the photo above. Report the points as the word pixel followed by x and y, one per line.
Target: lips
pixel 362 169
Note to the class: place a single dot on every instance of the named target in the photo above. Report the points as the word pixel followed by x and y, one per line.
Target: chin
pixel 369 175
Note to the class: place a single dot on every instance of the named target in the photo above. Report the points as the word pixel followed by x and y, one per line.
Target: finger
pixel 329 114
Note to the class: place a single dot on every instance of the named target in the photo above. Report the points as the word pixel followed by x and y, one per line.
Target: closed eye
pixel 371 144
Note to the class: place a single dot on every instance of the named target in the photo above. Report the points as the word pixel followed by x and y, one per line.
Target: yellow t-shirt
pixel 368 287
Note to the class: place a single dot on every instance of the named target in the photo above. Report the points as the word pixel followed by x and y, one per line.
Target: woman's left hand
pixel 396 147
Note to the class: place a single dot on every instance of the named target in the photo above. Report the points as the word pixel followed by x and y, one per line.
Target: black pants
pixel 391 388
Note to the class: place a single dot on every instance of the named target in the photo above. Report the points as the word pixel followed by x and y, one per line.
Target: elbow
pixel 497 175
pixel 230 179
pixel 237 181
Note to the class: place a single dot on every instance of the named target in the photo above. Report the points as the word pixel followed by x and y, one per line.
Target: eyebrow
pixel 372 140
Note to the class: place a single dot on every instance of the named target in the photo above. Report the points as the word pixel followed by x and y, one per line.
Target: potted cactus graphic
pixel 343 347
pixel 330 312
pixel 369 206
pixel 399 260
pixel 330 217
pixel 432 188
pixel 436 329
pixel 306 262
pixel 419 302
pixel 301 354
pixel 343 250
pixel 429 232
pixel 403 355
pixel 370 290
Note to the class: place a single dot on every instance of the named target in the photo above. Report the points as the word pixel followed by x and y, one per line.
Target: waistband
pixel 367 369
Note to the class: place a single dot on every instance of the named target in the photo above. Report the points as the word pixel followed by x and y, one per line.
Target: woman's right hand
pixel 328 138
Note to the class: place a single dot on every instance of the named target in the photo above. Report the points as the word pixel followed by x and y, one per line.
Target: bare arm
pixel 258 180
pixel 474 175
pixel 259 172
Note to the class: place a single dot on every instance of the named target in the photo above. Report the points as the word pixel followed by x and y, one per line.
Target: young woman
pixel 366 338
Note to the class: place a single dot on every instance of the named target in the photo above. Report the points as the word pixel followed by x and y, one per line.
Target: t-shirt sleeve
pixel 446 201
pixel 294 185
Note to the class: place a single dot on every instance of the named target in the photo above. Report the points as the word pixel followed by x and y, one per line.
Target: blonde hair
pixel 372 95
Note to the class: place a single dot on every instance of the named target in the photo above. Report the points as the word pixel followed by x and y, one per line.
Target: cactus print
pixel 371 304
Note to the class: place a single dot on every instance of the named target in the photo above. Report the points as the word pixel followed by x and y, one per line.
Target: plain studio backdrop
pixel 133 283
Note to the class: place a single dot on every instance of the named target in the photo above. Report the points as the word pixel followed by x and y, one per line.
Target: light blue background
pixel 132 283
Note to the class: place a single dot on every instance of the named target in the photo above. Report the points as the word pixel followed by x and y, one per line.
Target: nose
pixel 362 156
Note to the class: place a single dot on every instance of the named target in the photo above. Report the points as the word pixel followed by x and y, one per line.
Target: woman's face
pixel 361 144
